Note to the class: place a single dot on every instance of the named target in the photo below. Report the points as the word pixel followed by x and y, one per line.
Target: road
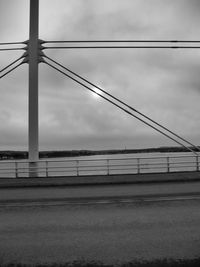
pixel 98 192
pixel 102 230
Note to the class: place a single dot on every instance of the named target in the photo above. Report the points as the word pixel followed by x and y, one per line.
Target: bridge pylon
pixel 33 60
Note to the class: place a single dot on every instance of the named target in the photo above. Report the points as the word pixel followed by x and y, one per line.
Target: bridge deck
pixel 100 179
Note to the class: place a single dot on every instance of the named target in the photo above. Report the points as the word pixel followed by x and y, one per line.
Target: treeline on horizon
pixel 77 153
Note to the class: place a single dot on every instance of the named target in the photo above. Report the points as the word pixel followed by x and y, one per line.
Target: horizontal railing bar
pixel 182 162
pixel 74 171
pixel 116 169
pixel 23 172
pixel 140 164
pixel 8 174
pixel 185 166
pixel 64 167
pixel 94 166
pixel 44 168
pixel 60 170
pixel 144 167
pixel 104 165
pixel 8 169
pixel 110 159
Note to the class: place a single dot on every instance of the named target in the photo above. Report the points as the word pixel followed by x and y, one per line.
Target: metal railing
pixel 108 166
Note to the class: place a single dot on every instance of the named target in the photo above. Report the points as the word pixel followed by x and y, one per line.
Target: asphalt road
pixel 105 232
pixel 96 193
pixel 124 223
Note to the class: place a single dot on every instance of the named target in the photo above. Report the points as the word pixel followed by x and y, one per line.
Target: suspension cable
pixel 120 101
pixel 15 61
pixel 125 110
pixel 11 69
pixel 12 43
pixel 121 47
pixel 124 41
pixel 10 49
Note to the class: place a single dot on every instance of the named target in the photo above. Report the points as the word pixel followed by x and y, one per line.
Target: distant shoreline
pixel 11 154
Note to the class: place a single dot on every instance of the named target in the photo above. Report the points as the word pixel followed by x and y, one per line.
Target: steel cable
pixel 121 47
pixel 11 64
pixel 11 69
pixel 128 112
pixel 12 49
pixel 12 43
pixel 124 41
pixel 120 101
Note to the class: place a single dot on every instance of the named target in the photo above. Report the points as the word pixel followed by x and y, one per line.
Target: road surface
pixel 98 192
pixel 102 229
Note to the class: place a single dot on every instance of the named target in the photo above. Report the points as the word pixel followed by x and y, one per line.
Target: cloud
pixel 14 20
pixel 163 84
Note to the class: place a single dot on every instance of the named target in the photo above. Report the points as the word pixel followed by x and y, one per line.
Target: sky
pixel 163 84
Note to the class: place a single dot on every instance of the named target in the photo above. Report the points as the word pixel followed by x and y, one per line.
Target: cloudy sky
pixel 163 84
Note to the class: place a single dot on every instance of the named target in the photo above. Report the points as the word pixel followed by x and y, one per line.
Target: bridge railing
pixel 109 166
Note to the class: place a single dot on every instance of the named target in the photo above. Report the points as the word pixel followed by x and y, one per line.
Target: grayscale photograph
pixel 99 133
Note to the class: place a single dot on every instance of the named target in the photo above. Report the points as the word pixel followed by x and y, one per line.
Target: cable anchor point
pixel 41 60
pixel 25 60
pixel 41 53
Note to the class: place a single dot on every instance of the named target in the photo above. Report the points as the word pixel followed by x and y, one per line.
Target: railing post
pixel 47 171
pixel 138 165
pixel 168 165
pixel 108 170
pixel 77 167
pixel 197 163
pixel 16 170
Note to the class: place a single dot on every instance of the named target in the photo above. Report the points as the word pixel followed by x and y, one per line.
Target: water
pixel 103 165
